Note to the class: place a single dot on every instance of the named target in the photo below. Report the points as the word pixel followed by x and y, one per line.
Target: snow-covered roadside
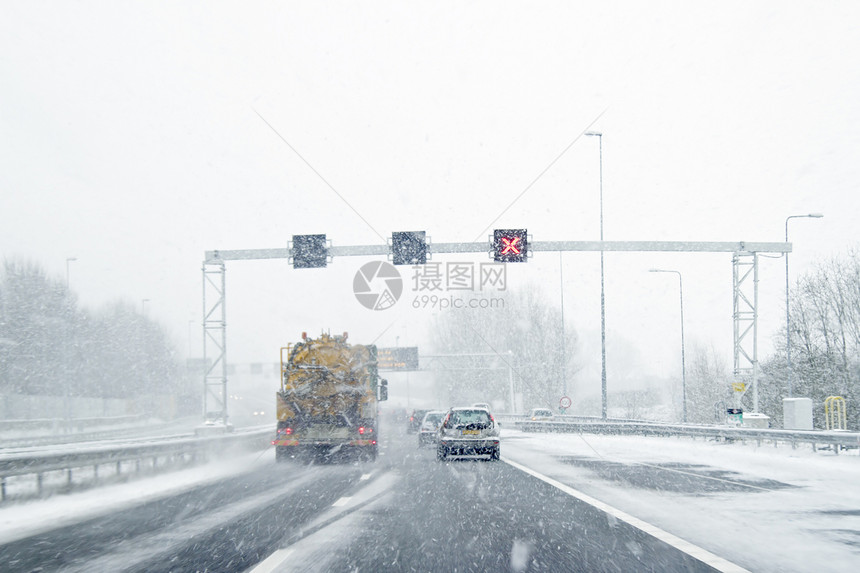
pixel 813 525
pixel 18 521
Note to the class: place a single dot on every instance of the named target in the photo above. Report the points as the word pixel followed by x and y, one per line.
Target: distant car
pixel 429 427
pixel 414 421
pixel 467 431
pixel 541 414
pixel 483 405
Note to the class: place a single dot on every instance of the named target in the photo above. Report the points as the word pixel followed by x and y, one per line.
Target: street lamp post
pixel 190 323
pixel 787 315
pixel 69 260
pixel 683 363
pixel 563 353
pixel 511 380
pixel 67 414
pixel 602 291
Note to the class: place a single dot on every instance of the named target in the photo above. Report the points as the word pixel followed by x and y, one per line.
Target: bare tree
pixel 524 334
pixel 51 347
pixel 707 385
pixel 825 339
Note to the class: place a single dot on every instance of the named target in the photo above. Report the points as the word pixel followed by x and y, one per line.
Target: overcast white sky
pixel 129 139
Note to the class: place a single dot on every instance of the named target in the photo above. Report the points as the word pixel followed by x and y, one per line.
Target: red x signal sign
pixel 510 245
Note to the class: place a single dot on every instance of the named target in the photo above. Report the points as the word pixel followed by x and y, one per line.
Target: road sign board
pixel 397 358
pixel 735 416
pixel 510 245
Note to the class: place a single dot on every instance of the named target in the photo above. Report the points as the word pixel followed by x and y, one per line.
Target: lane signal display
pixel 309 251
pixel 409 248
pixel 510 245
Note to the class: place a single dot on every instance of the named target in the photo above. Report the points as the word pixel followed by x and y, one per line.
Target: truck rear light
pixel 361 429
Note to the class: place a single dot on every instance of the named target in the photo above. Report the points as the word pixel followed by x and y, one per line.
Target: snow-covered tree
pixel 825 341
pixel 49 346
pixel 524 333
pixel 708 390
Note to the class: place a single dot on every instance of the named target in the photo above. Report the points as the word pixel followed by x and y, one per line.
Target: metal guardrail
pixel 51 433
pixel 70 425
pixel 834 439
pixel 567 418
pixel 191 449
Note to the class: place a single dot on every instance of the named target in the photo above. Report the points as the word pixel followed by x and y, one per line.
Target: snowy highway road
pixel 407 512
pixel 471 515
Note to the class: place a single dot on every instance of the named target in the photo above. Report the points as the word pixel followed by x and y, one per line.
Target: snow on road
pixel 764 508
pixel 20 520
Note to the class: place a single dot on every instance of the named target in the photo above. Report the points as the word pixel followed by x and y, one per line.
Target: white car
pixel 541 415
pixel 429 428
pixel 467 432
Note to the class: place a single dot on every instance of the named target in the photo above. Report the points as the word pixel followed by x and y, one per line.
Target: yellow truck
pixel 327 403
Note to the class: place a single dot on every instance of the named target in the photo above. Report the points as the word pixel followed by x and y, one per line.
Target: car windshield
pixel 478 418
pixel 246 247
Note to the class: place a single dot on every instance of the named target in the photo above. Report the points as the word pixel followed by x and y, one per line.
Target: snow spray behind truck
pixel 327 404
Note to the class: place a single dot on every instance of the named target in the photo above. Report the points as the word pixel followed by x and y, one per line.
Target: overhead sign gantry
pixel 505 245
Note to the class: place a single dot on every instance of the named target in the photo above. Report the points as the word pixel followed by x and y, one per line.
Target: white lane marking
pixel 342 501
pixel 694 551
pixel 334 524
pixel 270 563
pixel 364 477
pixel 162 543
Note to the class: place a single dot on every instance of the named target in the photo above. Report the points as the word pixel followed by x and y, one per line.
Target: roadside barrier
pixel 152 454
pixel 833 439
